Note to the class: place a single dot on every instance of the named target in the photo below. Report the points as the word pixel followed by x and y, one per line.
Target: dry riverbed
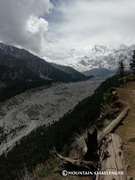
pixel 25 112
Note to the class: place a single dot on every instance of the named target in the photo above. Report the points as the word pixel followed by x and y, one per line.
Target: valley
pixel 67 75
pixel 41 106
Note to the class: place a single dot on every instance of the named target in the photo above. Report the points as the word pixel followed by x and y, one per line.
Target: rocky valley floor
pixel 25 112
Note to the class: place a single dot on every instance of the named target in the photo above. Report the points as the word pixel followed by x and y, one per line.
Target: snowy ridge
pixel 6 48
pixel 99 57
pixel 103 57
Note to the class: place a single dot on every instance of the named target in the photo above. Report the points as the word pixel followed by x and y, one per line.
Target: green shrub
pixel 107 97
pixel 131 77
pixel 51 166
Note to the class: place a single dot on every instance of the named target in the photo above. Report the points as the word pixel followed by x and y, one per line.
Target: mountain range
pixel 19 65
pixel 99 57
pixel 101 73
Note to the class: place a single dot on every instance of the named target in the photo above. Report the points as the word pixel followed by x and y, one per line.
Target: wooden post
pixel 113 125
pixel 91 146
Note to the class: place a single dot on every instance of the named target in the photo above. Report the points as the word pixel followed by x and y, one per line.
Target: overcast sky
pixel 60 28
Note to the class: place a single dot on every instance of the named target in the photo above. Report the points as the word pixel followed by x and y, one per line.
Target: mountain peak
pixel 123 46
pixel 98 47
pixel 19 65
pixel 5 47
pixel 103 57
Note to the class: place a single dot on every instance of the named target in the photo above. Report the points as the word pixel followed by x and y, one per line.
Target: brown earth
pixel 127 130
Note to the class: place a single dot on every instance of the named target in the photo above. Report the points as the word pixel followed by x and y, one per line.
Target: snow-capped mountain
pixel 5 48
pixel 20 66
pixel 101 57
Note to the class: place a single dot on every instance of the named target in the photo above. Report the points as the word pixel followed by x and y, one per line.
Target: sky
pixel 60 29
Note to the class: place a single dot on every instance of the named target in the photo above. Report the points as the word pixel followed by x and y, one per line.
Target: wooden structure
pixel 112 163
pixel 104 153
pixel 77 164
pixel 90 159
pixel 113 125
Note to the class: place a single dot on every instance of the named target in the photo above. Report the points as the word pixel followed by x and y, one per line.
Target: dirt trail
pixel 127 130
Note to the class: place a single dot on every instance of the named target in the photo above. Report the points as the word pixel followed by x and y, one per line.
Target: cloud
pixel 22 23
pixel 66 28
pixel 80 24
pixel 35 25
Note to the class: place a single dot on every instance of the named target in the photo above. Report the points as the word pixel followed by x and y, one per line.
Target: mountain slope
pixel 71 71
pixel 34 149
pixel 99 72
pixel 25 66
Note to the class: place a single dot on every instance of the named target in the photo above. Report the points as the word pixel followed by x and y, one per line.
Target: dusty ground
pixel 127 130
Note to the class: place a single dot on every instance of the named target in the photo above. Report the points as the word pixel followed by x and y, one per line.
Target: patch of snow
pixel 98 56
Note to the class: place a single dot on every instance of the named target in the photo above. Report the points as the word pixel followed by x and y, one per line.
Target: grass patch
pixel 52 165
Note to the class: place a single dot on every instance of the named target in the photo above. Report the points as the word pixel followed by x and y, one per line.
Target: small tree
pixel 121 68
pixel 132 62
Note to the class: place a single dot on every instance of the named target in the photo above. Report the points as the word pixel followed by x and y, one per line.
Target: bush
pixel 131 77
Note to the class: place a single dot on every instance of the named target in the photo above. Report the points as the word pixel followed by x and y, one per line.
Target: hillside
pixel 71 71
pixel 34 149
pixel 100 73
pixel 21 65
pixel 21 70
pixel 127 130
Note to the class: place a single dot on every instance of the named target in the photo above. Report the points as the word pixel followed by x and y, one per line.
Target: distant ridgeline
pixel 35 148
pixel 20 70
